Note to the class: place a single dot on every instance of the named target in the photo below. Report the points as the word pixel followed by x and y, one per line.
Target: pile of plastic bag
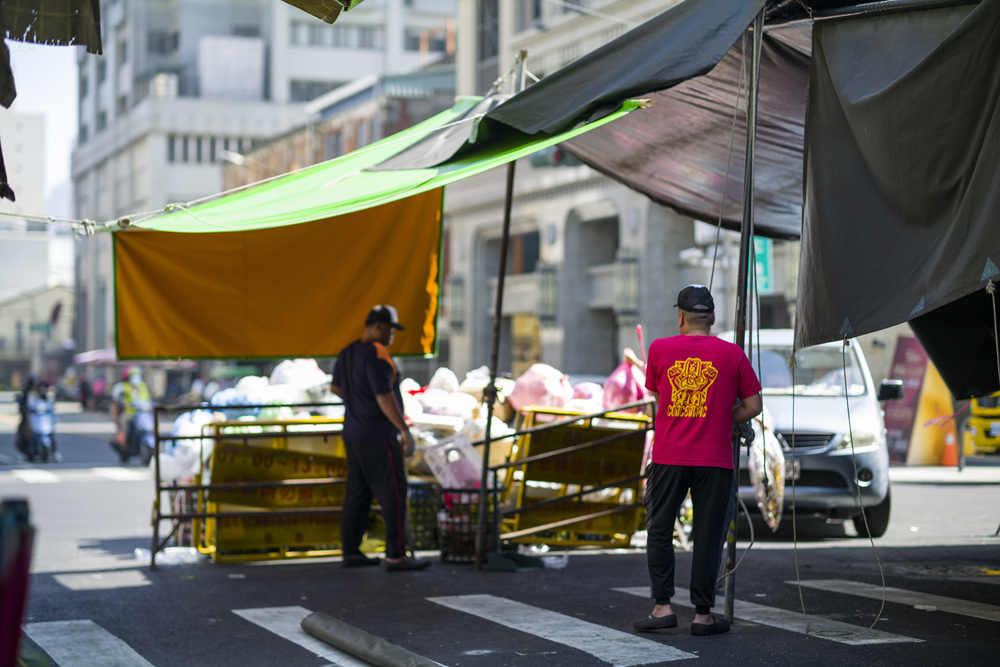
pixel 292 381
pixel 442 409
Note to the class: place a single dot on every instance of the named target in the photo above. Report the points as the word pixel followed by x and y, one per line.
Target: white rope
pixel 991 289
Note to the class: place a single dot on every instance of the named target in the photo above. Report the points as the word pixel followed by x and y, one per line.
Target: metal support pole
pixel 746 237
pixel 490 393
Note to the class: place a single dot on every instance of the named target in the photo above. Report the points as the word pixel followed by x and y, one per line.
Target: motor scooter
pixel 140 440
pixel 42 422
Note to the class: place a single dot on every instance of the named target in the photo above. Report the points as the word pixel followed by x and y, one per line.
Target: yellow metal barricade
pixel 272 489
pixel 574 482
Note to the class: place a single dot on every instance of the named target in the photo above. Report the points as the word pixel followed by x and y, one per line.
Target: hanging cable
pixel 991 289
pixel 843 634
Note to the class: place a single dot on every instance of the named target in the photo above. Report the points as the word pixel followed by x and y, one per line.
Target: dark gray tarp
pixel 902 185
pixel 899 147
pixel 687 150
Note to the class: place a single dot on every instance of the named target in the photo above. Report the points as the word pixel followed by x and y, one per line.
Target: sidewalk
pixel 974 472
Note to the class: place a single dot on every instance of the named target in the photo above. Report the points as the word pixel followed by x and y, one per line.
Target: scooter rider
pixel 125 398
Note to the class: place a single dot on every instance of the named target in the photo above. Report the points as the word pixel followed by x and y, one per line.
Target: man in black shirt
pixel 376 439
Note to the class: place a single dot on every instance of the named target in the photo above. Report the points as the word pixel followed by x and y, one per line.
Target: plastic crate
pixel 425 503
pixel 457 522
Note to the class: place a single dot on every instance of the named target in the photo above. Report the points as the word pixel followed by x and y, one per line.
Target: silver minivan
pixel 828 417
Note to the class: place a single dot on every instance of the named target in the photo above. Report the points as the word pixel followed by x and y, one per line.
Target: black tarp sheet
pixel 902 185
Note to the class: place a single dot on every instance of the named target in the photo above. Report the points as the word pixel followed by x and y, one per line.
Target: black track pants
pixel 666 488
pixel 375 469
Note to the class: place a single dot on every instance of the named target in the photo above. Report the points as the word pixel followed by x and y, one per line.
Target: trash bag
pixel 541 385
pixel 626 384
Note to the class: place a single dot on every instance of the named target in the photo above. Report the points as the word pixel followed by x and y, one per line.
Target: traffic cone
pixel 949 456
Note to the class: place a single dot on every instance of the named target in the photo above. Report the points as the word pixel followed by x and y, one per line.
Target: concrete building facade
pixel 183 84
pixel 589 259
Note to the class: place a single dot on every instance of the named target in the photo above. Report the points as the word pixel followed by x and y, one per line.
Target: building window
pixel 369 37
pixel 102 70
pixel 436 42
pixel 197 149
pixel 213 155
pixel 163 42
pixel 122 106
pixel 84 81
pixel 319 35
pixel 246 31
pixel 102 120
pixel 300 34
pixel 121 50
pixel 185 156
pixel 19 342
pixel 304 91
pixel 83 133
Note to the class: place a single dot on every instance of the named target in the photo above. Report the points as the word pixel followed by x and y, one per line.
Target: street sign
pixel 40 327
pixel 763 265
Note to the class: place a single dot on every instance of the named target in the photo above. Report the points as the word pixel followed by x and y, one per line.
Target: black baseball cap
pixel 386 315
pixel 695 299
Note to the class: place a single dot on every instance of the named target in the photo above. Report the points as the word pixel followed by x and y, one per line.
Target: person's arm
pixel 392 411
pixel 748 408
pixel 336 390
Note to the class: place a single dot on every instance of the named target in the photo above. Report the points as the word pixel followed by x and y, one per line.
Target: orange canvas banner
pixel 299 290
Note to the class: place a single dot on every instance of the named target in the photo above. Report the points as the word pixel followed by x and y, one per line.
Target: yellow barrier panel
pixel 579 482
pixel 275 491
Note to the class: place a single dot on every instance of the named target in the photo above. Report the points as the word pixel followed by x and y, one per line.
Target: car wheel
pixel 878 518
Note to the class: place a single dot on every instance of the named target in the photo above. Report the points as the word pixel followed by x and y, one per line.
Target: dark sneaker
pixel 359 560
pixel 407 563
pixel 655 623
pixel 704 629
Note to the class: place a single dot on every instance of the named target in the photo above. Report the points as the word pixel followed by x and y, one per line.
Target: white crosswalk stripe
pixel 794 621
pixel 938 602
pixel 124 474
pixel 618 648
pixel 36 476
pixel 286 622
pixel 82 644
pixel 77 475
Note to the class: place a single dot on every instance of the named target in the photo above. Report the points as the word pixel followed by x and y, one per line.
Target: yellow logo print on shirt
pixel 690 380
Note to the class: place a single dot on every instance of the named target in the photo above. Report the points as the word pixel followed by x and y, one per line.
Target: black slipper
pixel 655 623
pixel 359 560
pixel 705 629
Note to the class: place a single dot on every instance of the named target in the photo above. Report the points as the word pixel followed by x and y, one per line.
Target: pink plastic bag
pixel 541 385
pixel 626 384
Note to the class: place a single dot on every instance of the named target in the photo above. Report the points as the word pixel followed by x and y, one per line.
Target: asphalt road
pixel 812 595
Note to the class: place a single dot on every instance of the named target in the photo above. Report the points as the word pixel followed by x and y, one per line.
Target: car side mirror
pixel 890 390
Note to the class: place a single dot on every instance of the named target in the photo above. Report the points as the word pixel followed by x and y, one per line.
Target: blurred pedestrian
pixel 377 439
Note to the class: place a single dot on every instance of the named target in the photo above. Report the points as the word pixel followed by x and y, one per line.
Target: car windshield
pixel 819 371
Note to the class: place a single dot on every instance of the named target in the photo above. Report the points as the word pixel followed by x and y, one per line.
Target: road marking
pixel 36 476
pixel 619 648
pixel 794 621
pixel 123 474
pixel 286 622
pixel 71 643
pixel 963 607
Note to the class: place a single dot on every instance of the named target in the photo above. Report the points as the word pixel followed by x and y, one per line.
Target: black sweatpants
pixel 666 488
pixel 375 468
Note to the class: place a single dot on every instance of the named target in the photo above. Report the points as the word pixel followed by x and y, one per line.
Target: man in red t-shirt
pixel 703 386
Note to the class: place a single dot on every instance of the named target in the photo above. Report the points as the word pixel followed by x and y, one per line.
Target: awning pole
pixel 746 237
pixel 490 393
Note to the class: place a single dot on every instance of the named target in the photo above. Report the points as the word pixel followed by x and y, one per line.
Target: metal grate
pixel 989 401
pixel 804 440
